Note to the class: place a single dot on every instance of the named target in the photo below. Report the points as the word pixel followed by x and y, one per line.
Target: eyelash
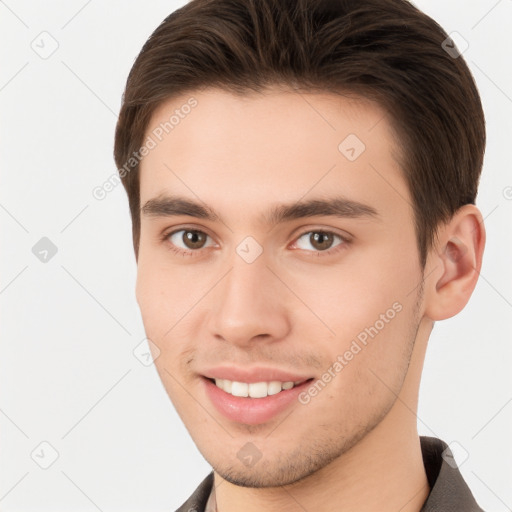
pixel 329 252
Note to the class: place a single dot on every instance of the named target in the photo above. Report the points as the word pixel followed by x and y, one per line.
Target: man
pixel 301 178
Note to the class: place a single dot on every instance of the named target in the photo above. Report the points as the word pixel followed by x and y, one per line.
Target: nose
pixel 250 303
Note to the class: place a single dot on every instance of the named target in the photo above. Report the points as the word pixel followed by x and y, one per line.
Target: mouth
pixel 256 390
pixel 253 403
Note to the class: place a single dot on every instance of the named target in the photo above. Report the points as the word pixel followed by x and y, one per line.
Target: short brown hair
pixel 383 50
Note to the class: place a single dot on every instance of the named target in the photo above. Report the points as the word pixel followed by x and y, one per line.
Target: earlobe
pixel 458 257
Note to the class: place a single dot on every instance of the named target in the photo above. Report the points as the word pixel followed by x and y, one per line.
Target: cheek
pixel 352 297
pixel 164 294
pixel 366 318
pixel 363 374
pixel 168 300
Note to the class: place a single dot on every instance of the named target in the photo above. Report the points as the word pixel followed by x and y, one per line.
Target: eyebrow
pixel 170 206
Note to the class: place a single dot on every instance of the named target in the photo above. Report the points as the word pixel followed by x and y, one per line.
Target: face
pixel 277 245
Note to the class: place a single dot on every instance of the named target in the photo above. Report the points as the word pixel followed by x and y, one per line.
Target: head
pixel 301 177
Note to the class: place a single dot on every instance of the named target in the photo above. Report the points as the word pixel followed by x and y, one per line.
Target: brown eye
pixel 319 241
pixel 194 239
pixel 188 239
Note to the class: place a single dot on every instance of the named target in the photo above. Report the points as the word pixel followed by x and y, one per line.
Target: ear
pixel 455 260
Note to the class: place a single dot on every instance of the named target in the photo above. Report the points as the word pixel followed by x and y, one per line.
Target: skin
pixel 355 445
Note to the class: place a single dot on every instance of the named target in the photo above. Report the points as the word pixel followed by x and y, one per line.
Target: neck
pixel 384 471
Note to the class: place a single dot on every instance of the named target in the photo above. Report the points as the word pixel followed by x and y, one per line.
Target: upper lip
pixel 251 375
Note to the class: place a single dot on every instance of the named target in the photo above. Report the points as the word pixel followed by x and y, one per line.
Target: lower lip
pixel 252 411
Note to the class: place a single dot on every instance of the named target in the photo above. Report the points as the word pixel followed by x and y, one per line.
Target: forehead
pixel 279 145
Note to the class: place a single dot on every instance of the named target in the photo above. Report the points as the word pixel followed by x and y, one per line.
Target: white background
pixel 69 326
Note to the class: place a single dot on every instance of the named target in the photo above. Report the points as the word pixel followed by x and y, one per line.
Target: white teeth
pixel 254 389
pixel 274 387
pixel 258 389
pixel 240 389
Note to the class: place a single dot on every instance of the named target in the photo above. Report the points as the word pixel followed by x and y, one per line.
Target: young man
pixel 302 177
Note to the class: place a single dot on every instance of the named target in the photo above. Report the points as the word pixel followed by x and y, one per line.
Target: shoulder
pixel 448 490
pixel 198 499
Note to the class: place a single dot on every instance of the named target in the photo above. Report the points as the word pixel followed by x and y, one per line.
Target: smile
pixel 254 389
